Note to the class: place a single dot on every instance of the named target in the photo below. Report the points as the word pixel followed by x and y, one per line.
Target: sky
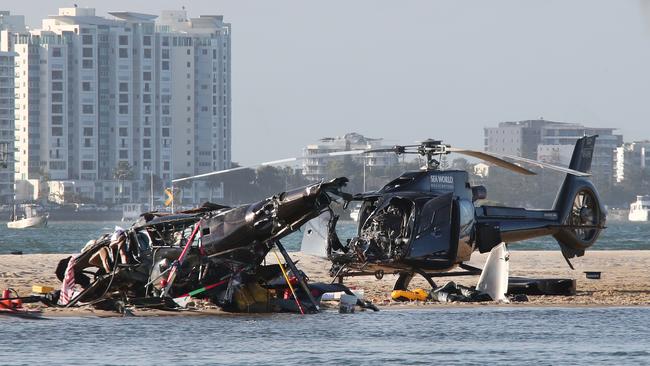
pixel 409 70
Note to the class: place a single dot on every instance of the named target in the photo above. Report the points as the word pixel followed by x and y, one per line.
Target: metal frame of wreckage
pixel 172 223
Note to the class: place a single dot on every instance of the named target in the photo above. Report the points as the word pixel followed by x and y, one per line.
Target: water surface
pixel 70 237
pixel 448 336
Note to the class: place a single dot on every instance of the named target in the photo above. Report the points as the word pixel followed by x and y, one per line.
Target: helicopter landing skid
pixel 405 277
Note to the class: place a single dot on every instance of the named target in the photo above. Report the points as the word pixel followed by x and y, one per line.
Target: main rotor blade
pixel 274 162
pixel 497 159
pixel 492 159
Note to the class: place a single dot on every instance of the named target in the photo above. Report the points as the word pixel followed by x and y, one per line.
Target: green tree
pixel 181 187
pixel 122 172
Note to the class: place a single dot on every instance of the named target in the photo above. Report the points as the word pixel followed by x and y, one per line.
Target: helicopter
pixel 428 222
pixel 212 252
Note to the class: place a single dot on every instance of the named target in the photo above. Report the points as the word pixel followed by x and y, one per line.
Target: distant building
pixel 553 142
pixel 631 159
pixel 7 96
pixel 315 169
pixel 94 93
pixel 481 170
pixel 8 24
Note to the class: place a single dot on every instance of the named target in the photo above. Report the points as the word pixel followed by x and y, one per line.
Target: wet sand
pixel 625 279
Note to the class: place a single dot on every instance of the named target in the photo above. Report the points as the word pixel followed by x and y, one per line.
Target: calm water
pixel 69 237
pixel 469 336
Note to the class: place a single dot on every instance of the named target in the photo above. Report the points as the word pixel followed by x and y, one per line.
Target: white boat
pixel 354 213
pixel 131 211
pixel 639 209
pixel 27 216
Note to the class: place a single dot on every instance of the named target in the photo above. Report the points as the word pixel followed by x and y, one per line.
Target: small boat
pixel 354 214
pixel 27 216
pixel 131 211
pixel 639 209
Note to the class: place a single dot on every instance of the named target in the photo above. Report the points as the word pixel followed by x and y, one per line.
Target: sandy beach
pixel 625 278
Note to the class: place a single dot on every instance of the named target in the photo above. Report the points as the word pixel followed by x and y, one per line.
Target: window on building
pixel 147 131
pixel 146 98
pixel 124 132
pixel 57 108
pixel 124 109
pixel 57 86
pixel 57 75
pixel 146 76
pixel 165 65
pixel 57 98
pixel 57 165
pixel 124 98
pixel 124 87
pixel 57 120
pixel 86 39
pixel 124 40
pixel 189 64
pixel 166 165
pixel 87 143
pixel 56 52
pixel 124 52
pixel 165 54
pixel 88 131
pixel 147 53
pixel 124 154
pixel 85 86
pixel 87 109
pixel 87 64
pixel 165 132
pixel 146 40
pixel 87 165
pixel 146 143
pixel 57 131
pixel 87 52
pixel 165 41
pixel 146 154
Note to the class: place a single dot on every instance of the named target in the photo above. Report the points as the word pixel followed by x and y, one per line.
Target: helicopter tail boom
pixel 575 221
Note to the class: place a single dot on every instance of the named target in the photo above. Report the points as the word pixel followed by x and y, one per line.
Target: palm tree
pixel 182 185
pixel 123 171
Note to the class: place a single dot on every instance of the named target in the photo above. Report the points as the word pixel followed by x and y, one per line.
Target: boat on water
pixel 132 211
pixel 27 216
pixel 639 209
pixel 354 213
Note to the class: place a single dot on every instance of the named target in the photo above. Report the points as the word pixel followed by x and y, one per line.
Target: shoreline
pixel 625 282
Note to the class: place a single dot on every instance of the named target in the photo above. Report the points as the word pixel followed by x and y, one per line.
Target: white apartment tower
pixel 98 93
pixel 6 126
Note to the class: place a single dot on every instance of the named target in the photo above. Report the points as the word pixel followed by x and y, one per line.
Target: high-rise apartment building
pixel 6 126
pixel 553 142
pixel 631 160
pixel 103 104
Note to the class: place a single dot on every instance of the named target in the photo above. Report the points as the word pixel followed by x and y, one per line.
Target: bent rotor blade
pixel 500 157
pixel 274 162
pixel 493 159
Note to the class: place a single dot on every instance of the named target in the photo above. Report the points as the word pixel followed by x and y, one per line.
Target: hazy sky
pixel 408 70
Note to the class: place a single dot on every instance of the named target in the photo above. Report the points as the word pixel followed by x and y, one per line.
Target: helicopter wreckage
pixel 426 223
pixel 212 252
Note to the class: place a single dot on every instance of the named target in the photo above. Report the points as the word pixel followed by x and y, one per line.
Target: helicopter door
pixel 433 230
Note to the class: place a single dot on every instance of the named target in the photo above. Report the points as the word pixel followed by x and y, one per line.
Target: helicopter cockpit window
pixel 466 213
